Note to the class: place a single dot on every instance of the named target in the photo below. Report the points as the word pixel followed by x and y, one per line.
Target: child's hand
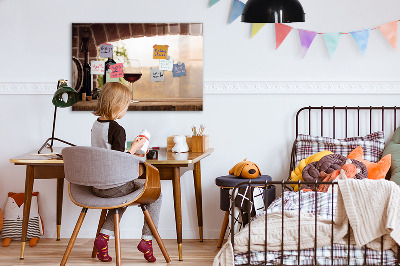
pixel 137 144
pixel 143 155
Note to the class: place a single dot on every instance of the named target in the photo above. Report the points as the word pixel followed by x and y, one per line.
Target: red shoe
pixel 146 247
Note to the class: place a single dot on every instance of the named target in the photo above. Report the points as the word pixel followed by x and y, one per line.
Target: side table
pixel 228 182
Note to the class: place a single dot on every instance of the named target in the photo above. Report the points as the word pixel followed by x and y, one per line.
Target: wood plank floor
pixel 50 252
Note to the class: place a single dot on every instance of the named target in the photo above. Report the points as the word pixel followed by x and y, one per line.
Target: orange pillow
pixel 375 170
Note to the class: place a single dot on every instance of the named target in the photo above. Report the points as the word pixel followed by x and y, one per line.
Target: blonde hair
pixel 113 98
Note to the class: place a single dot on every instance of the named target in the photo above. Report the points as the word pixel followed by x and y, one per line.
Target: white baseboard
pixel 135 233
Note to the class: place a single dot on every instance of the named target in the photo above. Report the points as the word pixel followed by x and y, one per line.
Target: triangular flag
pixel 361 37
pixel 306 39
pixel 390 32
pixel 237 9
pixel 332 41
pixel 281 31
pixel 213 2
pixel 256 28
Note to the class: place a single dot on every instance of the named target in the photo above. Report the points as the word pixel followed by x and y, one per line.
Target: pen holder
pixel 200 143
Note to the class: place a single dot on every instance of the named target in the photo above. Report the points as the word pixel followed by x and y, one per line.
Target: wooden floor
pixel 50 252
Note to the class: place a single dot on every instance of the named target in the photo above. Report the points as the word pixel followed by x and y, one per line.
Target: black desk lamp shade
pixel 273 11
pixel 63 97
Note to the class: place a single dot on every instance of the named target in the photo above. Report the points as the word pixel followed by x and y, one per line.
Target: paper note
pixel 117 70
pixel 160 51
pixel 106 50
pixel 97 67
pixel 108 76
pixel 179 70
pixel 167 64
pixel 157 75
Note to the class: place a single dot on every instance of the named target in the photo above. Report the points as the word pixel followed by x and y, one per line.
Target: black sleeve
pixel 116 136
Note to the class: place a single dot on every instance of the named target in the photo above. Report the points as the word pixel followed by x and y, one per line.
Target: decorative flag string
pixel 361 37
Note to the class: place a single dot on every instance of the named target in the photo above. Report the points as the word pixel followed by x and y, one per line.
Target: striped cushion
pixel 13 228
pixel 372 145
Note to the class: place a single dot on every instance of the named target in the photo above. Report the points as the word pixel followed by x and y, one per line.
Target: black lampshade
pixel 273 11
pixel 65 96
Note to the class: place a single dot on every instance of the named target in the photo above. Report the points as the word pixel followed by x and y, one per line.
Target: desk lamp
pixel 63 97
pixel 273 11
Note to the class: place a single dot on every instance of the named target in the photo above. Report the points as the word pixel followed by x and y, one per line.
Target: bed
pixel 298 227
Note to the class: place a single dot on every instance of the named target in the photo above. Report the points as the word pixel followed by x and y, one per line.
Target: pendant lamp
pixel 273 11
pixel 63 97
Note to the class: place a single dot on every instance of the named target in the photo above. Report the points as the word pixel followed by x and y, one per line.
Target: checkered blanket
pixel 324 206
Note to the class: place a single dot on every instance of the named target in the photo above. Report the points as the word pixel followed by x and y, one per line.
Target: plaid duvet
pixel 322 207
pixel 372 145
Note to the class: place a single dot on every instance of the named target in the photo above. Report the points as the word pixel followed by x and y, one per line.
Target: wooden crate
pixel 200 143
pixel 171 143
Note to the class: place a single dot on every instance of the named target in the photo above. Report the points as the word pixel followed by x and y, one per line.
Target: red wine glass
pixel 132 73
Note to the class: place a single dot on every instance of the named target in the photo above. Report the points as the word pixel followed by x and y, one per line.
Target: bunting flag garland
pixel 281 31
pixel 306 39
pixel 389 30
pixel 213 2
pixel 237 9
pixel 256 28
pixel 361 37
pixel 332 41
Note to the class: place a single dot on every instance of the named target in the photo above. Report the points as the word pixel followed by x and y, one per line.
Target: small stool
pixel 226 183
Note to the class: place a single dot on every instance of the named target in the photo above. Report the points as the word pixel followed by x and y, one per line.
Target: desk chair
pixel 85 167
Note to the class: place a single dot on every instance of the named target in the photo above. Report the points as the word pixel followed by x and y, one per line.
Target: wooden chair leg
pixel 73 237
pixel 154 230
pixel 117 238
pixel 223 229
pixel 101 222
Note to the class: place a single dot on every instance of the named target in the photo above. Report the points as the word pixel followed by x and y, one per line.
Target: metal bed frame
pixel 283 184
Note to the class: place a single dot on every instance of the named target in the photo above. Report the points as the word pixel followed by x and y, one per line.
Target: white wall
pixel 35 44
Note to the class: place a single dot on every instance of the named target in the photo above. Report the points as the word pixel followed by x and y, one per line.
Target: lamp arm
pixel 54 126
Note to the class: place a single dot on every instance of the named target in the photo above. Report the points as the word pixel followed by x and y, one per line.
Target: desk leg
pixel 60 190
pixel 27 206
pixel 176 182
pixel 199 204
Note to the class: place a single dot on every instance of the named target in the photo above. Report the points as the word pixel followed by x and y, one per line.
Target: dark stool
pixel 226 183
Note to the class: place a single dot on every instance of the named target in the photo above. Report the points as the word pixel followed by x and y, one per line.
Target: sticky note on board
pixel 160 51
pixel 167 64
pixel 106 50
pixel 117 71
pixel 108 76
pixel 179 70
pixel 156 75
pixel 97 67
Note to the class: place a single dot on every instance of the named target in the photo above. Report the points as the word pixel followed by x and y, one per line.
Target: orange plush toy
pixel 13 215
pixel 347 170
pixel 375 170
pixel 245 169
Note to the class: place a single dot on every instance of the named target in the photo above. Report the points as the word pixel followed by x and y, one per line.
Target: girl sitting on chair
pixel 107 133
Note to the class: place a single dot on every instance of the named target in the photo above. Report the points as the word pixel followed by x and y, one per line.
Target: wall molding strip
pixel 244 87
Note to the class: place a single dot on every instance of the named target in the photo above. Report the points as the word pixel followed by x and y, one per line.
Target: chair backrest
pixel 91 166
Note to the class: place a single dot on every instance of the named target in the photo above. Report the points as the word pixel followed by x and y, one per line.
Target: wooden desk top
pixel 164 157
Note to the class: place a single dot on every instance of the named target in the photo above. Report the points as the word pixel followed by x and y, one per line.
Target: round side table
pixel 228 182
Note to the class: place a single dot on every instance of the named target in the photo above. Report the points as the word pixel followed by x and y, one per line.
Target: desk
pixel 171 167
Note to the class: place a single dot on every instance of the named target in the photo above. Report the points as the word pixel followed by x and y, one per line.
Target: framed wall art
pixel 162 64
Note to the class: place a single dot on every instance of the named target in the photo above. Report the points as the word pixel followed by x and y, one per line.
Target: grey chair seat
pixel 83 196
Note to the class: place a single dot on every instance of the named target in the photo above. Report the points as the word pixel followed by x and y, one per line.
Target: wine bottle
pixel 108 63
pixel 87 78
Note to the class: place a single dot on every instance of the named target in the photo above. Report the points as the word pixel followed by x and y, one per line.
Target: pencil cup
pixel 200 143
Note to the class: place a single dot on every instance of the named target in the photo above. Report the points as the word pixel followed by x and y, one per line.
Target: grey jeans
pixel 154 208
